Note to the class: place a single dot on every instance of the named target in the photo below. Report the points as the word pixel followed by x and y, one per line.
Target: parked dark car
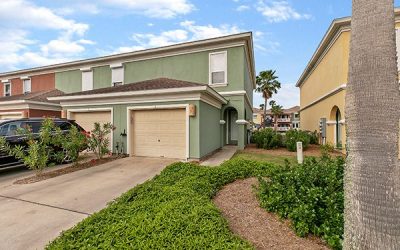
pixel 9 130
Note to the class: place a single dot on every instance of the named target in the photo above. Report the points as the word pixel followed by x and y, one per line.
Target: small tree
pixel 98 141
pixel 70 144
pixel 39 149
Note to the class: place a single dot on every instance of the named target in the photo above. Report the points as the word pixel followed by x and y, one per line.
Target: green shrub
pixel 98 142
pixel 310 195
pixel 326 149
pixel 267 138
pixel 314 137
pixel 173 210
pixel 293 136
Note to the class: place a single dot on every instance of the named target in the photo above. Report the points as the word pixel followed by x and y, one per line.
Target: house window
pixel 117 75
pixel 27 85
pixel 87 79
pixel 7 89
pixel 218 68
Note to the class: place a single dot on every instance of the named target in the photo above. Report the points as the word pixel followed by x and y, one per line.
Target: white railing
pixel 283 128
pixel 284 120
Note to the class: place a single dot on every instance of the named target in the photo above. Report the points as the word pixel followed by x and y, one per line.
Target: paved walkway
pixel 218 158
pixel 31 215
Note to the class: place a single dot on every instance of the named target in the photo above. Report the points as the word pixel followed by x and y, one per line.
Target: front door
pixel 233 128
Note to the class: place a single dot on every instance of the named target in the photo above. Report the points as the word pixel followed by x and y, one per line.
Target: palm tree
pixel 267 84
pixel 372 174
pixel 276 110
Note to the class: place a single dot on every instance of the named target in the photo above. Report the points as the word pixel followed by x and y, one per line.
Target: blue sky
pixel 286 32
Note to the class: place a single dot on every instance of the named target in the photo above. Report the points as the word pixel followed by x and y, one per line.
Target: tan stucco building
pixel 323 82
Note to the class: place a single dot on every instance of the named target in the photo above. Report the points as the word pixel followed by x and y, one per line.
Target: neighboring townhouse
pixel 323 83
pixel 23 95
pixel 288 119
pixel 181 101
pixel 258 117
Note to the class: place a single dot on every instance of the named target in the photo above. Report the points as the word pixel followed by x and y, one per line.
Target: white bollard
pixel 300 152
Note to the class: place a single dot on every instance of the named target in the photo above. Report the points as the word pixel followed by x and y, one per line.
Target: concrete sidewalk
pixel 219 157
pixel 31 215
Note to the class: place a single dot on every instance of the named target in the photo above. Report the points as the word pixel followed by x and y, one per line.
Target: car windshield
pixel 13 128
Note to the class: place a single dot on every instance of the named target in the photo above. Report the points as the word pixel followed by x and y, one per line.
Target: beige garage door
pixel 10 116
pixel 159 133
pixel 87 119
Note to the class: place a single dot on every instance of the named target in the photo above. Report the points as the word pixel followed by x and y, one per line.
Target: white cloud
pixel 154 8
pixel 86 8
pixel 188 31
pixel 288 96
pixel 279 11
pixel 20 19
pixel 163 39
pixel 209 31
pixel 24 14
pixel 243 8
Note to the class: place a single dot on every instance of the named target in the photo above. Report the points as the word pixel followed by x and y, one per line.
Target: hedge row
pixel 269 139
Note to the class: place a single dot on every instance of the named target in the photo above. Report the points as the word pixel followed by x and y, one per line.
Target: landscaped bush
pixel 174 210
pixel 267 138
pixel 314 137
pixel 293 136
pixel 310 195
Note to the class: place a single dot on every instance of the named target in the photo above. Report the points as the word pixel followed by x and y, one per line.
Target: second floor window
pixel 27 85
pixel 218 68
pixel 87 79
pixel 117 75
pixel 7 89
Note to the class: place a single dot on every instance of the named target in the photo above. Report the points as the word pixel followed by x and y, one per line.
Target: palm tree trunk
pixel 265 111
pixel 372 174
pixel 275 123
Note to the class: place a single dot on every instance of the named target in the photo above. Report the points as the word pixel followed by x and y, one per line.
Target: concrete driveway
pixel 31 215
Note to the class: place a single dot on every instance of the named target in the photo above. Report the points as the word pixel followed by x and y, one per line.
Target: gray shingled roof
pixel 40 96
pixel 159 83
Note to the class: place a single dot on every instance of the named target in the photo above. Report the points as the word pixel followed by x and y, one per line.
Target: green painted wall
pixel 190 67
pixel 69 81
pixel 120 122
pixel 210 129
pixel 247 80
pixel 102 77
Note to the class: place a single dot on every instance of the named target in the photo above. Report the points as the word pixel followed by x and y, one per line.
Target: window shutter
pixel 87 80
pixel 27 85
pixel 218 67
pixel 117 76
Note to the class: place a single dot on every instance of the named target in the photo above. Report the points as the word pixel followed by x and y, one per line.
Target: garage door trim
pixel 83 110
pixel 157 107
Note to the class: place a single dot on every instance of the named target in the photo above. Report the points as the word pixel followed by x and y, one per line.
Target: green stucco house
pixel 182 101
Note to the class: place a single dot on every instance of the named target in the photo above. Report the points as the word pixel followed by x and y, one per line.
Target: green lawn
pixel 174 210
pixel 276 159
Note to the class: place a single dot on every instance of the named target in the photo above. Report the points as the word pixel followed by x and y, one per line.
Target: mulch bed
pixel 312 150
pixel 240 206
pixel 66 170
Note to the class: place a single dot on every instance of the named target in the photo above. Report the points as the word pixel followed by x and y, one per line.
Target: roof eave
pixel 110 58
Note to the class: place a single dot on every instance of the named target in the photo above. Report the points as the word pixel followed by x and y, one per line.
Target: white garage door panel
pixel 159 133
pixel 87 119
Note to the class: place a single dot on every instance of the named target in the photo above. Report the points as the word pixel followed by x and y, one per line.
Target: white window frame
pixel 24 81
pixel 86 86
pixel 225 83
pixel 4 87
pixel 118 66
